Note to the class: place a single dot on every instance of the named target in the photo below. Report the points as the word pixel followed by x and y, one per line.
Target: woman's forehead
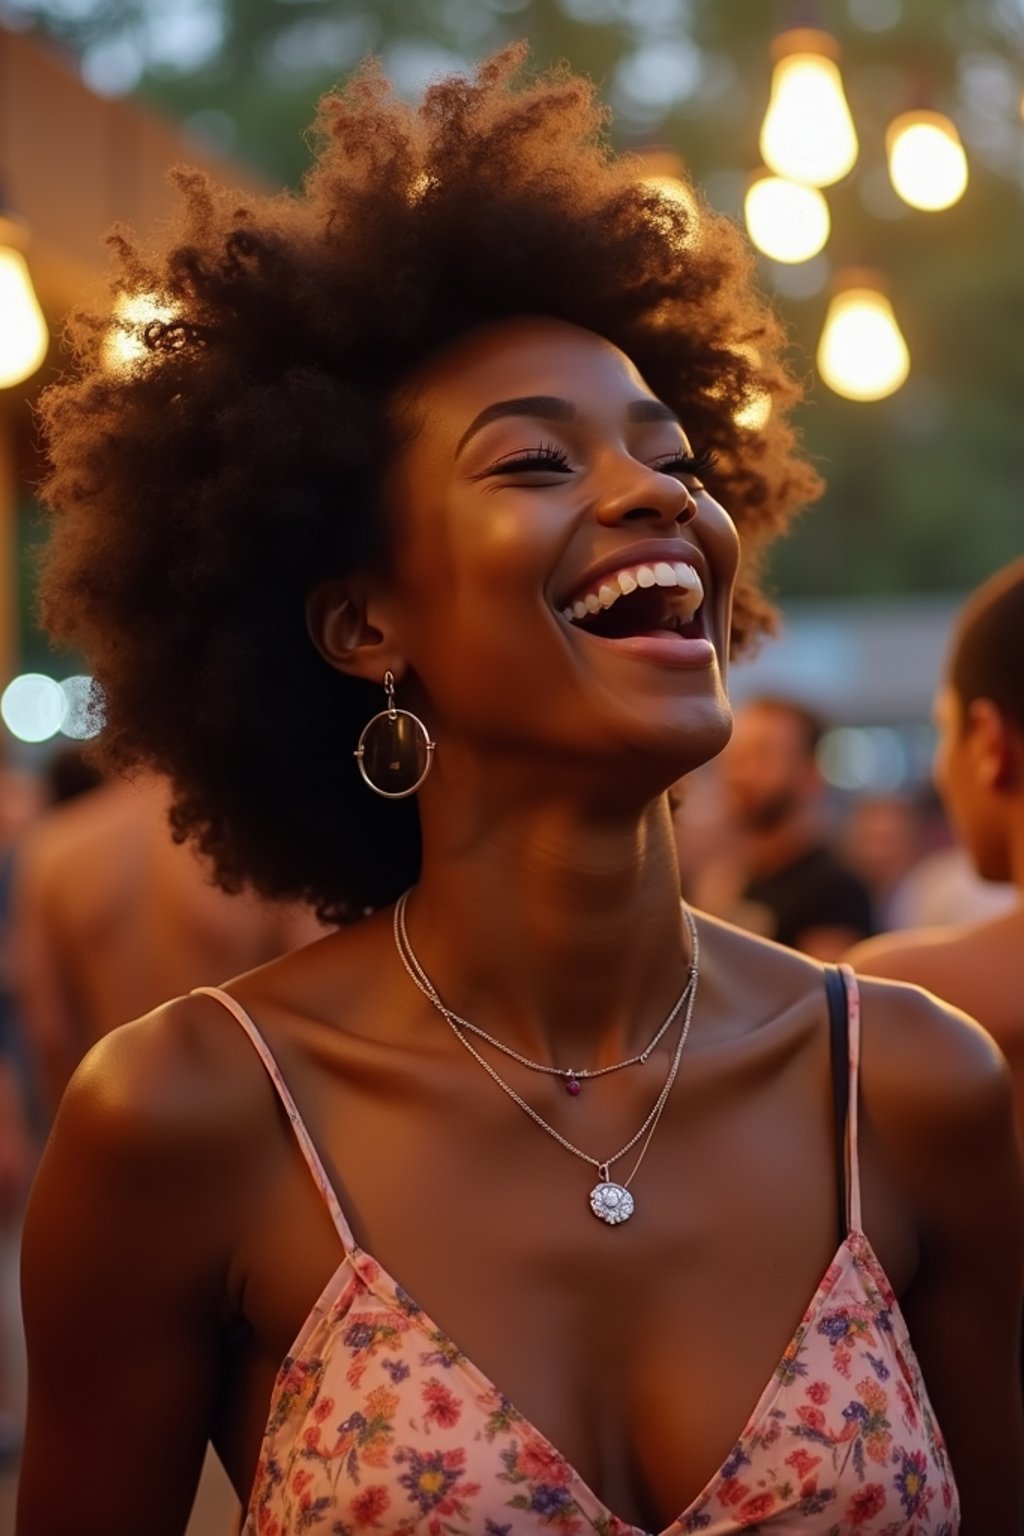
pixel 523 357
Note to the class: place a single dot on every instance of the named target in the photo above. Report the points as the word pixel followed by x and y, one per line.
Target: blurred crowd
pixel 765 843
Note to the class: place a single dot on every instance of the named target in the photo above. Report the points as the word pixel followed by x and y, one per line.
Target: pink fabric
pixel 379 1423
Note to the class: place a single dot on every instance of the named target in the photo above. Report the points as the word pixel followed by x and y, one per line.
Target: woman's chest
pixel 638 1351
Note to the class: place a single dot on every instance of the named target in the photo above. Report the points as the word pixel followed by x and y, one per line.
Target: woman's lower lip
pixel 663 647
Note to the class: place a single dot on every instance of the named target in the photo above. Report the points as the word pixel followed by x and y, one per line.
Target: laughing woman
pixel 528 1201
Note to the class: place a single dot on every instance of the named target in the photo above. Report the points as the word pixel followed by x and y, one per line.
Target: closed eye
pixel 546 456
pixel 691 465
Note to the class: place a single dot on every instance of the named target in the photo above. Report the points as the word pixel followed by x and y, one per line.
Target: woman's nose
pixel 641 494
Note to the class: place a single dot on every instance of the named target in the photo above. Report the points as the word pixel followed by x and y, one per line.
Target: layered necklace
pixel 610 1201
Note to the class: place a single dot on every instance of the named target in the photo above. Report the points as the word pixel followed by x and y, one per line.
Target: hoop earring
pixel 394 747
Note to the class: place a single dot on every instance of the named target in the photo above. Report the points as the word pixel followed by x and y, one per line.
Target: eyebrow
pixel 554 408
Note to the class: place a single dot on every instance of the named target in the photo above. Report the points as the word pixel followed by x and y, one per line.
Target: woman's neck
pixel 560 934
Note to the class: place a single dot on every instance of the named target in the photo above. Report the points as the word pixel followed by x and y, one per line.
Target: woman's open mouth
pixel 654 608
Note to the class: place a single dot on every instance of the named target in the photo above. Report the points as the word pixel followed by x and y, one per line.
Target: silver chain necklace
pixel 610 1201
pixel 572 1077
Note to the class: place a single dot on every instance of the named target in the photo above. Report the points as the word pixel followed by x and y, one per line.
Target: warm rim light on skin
pixel 24 337
pixel 786 220
pixel 862 354
pixel 124 344
pixel 808 133
pixel 927 163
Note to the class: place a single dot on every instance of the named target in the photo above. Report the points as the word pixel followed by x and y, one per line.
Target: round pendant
pixel 611 1202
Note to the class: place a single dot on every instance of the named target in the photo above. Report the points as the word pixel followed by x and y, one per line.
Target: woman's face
pixel 561 582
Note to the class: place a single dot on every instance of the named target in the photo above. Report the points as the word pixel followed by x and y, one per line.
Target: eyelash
pixel 547 456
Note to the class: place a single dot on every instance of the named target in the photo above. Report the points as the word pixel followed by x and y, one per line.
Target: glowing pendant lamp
pixel 927 163
pixel 24 338
pixel 786 220
pixel 808 133
pixel 862 354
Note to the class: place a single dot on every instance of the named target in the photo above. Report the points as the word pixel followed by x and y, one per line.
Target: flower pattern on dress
pixel 379 1423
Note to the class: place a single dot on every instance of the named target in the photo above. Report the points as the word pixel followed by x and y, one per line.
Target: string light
pixel 808 133
pixel 787 221
pixel 24 337
pixel 927 163
pixel 862 354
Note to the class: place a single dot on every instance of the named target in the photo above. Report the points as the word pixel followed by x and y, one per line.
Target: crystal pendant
pixel 611 1202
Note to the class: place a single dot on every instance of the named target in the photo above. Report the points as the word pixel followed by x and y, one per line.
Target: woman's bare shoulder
pixel 180 1088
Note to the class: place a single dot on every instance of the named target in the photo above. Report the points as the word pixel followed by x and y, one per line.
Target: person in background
pixel 112 916
pixel 979 773
pixel 780 877
pixel 882 839
pixel 945 888
pixel 71 772
pixel 21 799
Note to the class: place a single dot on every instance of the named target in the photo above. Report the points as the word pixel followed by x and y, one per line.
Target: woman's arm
pixel 937 1095
pixel 126 1249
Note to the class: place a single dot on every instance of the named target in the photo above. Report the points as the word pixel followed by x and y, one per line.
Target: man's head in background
pixel 979 712
pixel 769 769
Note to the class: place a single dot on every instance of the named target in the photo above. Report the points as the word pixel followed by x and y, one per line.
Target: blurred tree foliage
pixel 925 489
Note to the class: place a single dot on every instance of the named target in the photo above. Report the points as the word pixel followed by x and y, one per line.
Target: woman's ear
pixel 347 622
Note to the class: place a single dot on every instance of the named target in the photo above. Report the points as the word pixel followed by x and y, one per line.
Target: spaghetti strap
pixel 854 1218
pixel 302 1136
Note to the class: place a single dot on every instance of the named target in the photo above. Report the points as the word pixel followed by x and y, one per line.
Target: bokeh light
pixel 33 707
pixel 786 220
pixel 808 133
pixel 926 160
pixel 862 354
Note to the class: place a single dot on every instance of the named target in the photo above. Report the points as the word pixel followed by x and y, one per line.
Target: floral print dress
pixel 380 1424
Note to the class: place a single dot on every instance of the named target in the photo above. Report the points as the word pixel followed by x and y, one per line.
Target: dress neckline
pixel 854 1250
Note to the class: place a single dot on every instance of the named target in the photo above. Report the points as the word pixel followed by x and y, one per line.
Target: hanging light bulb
pixel 808 133
pixel 862 354
pixel 786 220
pixel 926 160
pixel 24 338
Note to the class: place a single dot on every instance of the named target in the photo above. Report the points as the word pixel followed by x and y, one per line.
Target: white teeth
pixel 661 574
